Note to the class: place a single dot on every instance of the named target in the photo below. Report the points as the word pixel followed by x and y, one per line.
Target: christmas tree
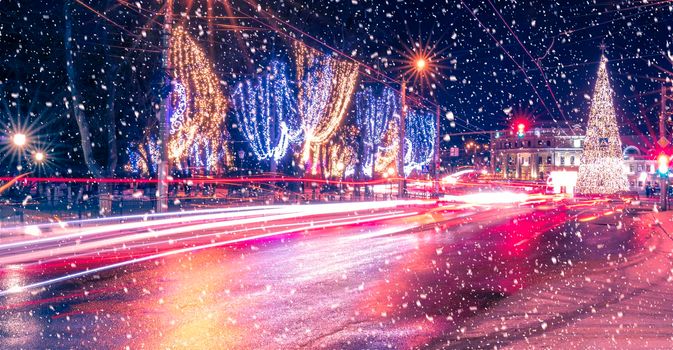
pixel 601 168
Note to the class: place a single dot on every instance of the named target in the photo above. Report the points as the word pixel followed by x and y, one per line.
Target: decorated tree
pixel 420 140
pixel 266 113
pixel 374 111
pixel 326 85
pixel 601 169
pixel 198 132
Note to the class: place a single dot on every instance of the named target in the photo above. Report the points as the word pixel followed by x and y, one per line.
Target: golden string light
pixel 601 169
pixel 387 153
pixel 326 86
pixel 202 133
pixel 341 156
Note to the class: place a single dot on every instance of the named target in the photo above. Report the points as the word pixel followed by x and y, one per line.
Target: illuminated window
pixel 577 143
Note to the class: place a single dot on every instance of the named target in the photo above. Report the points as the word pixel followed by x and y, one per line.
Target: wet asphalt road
pixel 428 278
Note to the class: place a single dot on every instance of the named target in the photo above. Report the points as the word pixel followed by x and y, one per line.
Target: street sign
pixel 663 142
pixel 454 152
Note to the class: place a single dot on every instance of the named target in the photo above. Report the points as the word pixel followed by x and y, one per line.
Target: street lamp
pixel 19 140
pixel 419 65
pixel 39 157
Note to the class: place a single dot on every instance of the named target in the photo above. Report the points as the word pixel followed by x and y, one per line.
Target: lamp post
pixel 241 156
pixel 436 160
pixel 341 169
pixel 38 159
pixel 402 190
pixel 419 66
pixel 19 140
pixel 164 114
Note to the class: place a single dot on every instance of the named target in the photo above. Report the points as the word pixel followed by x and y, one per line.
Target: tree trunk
pixel 375 150
pixel 113 157
pixel 78 113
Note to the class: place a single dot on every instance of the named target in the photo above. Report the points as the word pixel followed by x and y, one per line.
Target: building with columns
pixel 539 152
pixel 543 150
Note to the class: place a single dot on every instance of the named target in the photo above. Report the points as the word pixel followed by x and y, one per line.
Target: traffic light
pixel 521 130
pixel 663 164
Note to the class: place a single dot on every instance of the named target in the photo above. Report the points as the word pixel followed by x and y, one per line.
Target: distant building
pixel 543 150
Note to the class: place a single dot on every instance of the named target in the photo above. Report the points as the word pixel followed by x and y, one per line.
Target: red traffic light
pixel 663 164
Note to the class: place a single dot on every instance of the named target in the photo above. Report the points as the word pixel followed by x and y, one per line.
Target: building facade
pixel 543 150
pixel 535 155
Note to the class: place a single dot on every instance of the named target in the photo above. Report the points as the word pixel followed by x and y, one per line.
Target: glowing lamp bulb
pixel 421 64
pixel 19 139
pixel 39 156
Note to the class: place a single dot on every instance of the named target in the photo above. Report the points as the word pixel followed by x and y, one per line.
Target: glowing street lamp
pixel 419 64
pixel 19 139
pixel 39 157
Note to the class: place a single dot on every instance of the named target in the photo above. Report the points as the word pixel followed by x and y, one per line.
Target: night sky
pixel 481 81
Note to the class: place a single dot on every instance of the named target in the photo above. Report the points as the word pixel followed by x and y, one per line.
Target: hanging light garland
pixel 178 113
pixel 373 112
pixel 420 140
pixel 266 113
pixel 325 86
pixel 601 169
pixel 143 157
pixel 201 132
pixel 341 158
pixel 386 157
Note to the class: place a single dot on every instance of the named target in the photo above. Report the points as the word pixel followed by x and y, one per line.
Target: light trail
pixel 359 220
pixel 290 212
pixel 488 198
pixel 127 226
pixel 147 216
pixel 17 288
pixel 220 212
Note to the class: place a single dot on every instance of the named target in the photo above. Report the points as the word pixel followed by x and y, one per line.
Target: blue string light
pixel 266 113
pixel 420 140
pixel 373 112
pixel 179 110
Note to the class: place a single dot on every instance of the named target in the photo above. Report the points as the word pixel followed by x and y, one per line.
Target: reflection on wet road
pixel 405 275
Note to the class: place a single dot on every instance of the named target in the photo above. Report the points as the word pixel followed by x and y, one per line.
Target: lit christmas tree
pixel 601 168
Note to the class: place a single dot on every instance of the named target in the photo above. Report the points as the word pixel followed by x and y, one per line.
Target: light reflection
pixel 17 327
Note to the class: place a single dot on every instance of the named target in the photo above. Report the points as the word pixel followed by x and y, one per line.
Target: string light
pixel 201 134
pixel 142 154
pixel 420 140
pixel 601 169
pixel 386 158
pixel 177 118
pixel 341 158
pixel 266 113
pixel 373 112
pixel 326 86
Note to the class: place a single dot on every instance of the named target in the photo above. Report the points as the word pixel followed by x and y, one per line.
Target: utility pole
pixel 664 143
pixel 165 113
pixel 402 190
pixel 435 181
